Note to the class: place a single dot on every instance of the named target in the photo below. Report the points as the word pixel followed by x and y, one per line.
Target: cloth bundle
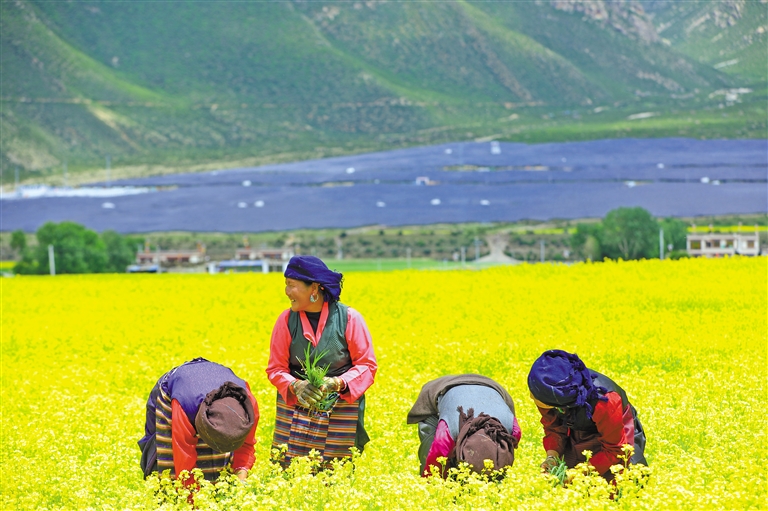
pixel 483 438
pixel 225 417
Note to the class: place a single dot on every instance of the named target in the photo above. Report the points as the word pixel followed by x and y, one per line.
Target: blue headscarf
pixel 312 269
pixel 558 378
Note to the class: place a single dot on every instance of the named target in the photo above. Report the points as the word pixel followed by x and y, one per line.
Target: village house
pixel 255 259
pixel 171 257
pixel 719 244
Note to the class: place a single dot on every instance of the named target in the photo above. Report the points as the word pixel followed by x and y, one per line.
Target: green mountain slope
pixel 730 35
pixel 183 85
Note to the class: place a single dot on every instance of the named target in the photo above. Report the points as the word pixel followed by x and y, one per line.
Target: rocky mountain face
pixel 729 35
pixel 625 16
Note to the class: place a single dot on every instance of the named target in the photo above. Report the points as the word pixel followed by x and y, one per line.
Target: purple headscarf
pixel 312 269
pixel 559 378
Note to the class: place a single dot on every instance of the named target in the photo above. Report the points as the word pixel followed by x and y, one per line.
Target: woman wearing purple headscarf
pixel 319 322
pixel 583 410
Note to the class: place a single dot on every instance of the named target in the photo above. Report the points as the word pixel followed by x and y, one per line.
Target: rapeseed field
pixel 686 339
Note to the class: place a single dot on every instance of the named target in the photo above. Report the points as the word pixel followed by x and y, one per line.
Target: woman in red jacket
pixel 583 410
pixel 199 415
pixel 318 322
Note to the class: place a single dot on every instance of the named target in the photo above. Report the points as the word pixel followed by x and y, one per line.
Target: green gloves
pixel 549 463
pixel 332 384
pixel 307 394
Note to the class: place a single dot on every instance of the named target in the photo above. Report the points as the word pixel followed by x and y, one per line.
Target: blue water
pixel 467 183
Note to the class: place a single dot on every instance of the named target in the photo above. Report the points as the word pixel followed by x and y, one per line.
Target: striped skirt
pixel 331 433
pixel 157 448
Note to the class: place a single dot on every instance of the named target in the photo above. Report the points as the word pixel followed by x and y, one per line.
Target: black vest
pixel 333 340
pixel 577 419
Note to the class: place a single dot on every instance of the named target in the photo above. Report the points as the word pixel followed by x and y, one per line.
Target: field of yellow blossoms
pixel 686 339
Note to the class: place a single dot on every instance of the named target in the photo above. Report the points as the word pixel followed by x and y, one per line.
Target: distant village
pixel 265 260
pixel 246 259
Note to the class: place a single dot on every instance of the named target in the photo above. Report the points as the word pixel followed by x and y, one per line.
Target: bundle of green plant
pixel 559 472
pixel 314 374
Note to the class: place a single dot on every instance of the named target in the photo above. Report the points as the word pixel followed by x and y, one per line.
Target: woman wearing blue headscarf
pixel 583 410
pixel 317 321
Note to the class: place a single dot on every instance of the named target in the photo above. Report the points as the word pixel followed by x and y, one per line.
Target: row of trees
pixel 626 233
pixel 76 250
pixel 629 233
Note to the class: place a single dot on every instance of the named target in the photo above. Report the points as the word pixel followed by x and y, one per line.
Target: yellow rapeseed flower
pixel 686 340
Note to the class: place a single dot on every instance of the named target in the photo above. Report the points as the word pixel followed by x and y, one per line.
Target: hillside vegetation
pixel 178 86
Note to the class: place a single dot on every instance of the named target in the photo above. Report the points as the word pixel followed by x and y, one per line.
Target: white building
pixel 719 244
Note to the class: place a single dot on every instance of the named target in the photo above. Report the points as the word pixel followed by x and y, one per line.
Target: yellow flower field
pixel 686 339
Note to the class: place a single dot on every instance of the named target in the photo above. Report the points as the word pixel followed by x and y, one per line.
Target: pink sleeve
pixel 279 354
pixel 517 433
pixel 441 446
pixel 360 377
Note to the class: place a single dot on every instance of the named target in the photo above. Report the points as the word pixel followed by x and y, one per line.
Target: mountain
pixel 152 87
pixel 729 35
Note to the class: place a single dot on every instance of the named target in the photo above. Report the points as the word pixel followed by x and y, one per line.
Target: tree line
pixel 629 233
pixel 624 233
pixel 76 250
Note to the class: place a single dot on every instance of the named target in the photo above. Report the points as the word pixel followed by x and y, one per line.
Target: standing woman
pixel 318 321
pixel 583 410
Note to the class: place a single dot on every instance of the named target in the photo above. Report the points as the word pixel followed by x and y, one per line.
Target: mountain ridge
pixel 178 85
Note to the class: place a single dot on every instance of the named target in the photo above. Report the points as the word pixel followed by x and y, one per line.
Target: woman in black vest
pixel 583 410
pixel 319 322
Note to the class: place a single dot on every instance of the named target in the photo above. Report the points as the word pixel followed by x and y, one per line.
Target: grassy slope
pixel 731 36
pixel 196 84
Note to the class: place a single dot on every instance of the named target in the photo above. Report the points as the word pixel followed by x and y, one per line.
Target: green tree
pixel 19 241
pixel 592 249
pixel 630 233
pixel 76 250
pixel 27 265
pixel 675 233
pixel 121 251
pixel 585 241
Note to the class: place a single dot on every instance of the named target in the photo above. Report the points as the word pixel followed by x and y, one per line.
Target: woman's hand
pixel 307 394
pixel 332 384
pixel 550 462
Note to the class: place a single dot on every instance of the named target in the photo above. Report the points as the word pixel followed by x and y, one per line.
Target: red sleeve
pixel 555 432
pixel 243 457
pixel 184 440
pixel 360 377
pixel 441 446
pixel 616 428
pixel 278 371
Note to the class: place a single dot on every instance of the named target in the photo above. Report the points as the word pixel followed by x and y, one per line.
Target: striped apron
pixel 331 433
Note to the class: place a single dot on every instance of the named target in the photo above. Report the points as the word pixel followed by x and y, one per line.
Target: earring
pixel 312 298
